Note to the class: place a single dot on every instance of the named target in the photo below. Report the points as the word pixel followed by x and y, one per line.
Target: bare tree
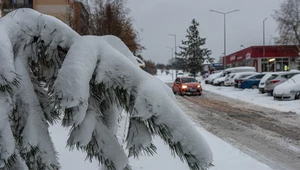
pixel 288 19
pixel 108 17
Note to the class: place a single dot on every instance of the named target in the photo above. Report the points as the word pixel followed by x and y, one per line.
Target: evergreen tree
pixel 192 52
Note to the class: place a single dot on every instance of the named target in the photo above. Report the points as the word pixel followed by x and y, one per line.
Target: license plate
pixel 192 89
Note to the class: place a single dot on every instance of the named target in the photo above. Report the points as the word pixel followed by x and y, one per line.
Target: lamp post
pixel 174 35
pixel 264 51
pixel 172 52
pixel 224 14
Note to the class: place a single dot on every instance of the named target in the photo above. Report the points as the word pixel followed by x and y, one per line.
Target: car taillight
pixel 274 81
pixel 236 80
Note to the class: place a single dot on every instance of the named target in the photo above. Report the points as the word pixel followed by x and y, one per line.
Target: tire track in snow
pixel 267 135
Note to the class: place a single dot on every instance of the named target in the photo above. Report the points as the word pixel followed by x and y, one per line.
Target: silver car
pixel 276 79
pixel 288 90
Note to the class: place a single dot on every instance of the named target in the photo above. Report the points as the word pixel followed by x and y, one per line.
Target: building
pixel 57 8
pixel 265 58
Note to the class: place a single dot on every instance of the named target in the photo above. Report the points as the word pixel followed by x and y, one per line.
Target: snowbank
pixel 254 97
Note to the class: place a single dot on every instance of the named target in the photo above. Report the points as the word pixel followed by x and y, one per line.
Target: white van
pixel 238 70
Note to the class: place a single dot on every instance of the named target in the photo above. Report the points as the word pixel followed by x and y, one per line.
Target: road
pixel 270 136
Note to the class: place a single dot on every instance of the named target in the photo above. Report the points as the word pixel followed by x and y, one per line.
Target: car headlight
pixel 198 86
pixel 184 86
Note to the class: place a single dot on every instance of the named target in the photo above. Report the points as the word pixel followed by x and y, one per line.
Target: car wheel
pixel 199 94
pixel 222 84
pixel 180 92
pixel 173 91
pixel 297 96
pixel 254 86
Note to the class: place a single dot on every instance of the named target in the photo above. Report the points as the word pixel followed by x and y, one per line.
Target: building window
pixel 273 65
pixel 264 65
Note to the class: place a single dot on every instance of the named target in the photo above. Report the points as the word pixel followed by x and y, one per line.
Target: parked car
pixel 211 77
pixel 219 81
pixel 263 80
pixel 250 81
pixel 289 90
pixel 221 74
pixel 180 74
pixel 240 76
pixel 229 79
pixel 186 85
pixel 277 78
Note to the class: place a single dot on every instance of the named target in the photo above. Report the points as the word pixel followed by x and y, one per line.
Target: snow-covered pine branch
pixel 105 76
pixel 25 142
pixel 89 80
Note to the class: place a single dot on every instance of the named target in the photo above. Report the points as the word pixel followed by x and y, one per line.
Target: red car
pixel 186 85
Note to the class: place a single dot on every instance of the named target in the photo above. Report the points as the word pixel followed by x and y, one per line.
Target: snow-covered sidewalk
pixel 254 97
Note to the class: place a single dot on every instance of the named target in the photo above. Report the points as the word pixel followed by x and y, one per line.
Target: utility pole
pixel 174 35
pixel 264 50
pixel 172 52
pixel 224 14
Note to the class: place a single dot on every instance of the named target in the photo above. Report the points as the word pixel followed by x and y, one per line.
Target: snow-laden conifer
pixel 51 72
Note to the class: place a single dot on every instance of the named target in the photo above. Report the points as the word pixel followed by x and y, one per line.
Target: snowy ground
pixel 253 96
pixel 226 156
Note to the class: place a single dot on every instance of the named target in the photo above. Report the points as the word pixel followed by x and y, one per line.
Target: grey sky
pixel 155 19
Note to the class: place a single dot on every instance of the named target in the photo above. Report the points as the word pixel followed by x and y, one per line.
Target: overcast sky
pixel 155 19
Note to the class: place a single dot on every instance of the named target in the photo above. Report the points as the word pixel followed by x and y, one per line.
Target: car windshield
pixel 188 80
pixel 273 76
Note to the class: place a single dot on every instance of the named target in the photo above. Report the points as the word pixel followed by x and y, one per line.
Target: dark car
pixel 186 85
pixel 250 81
pixel 237 77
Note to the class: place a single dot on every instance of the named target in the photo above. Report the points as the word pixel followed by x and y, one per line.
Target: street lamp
pixel 224 13
pixel 174 35
pixel 264 51
pixel 172 52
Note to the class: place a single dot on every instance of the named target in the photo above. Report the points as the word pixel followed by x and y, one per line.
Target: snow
pixel 254 97
pixel 7 144
pixel 114 67
pixel 226 156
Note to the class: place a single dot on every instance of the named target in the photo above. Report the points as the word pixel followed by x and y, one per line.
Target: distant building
pixel 57 8
pixel 276 58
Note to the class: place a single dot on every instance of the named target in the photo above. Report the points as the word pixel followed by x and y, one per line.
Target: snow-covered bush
pixel 48 72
